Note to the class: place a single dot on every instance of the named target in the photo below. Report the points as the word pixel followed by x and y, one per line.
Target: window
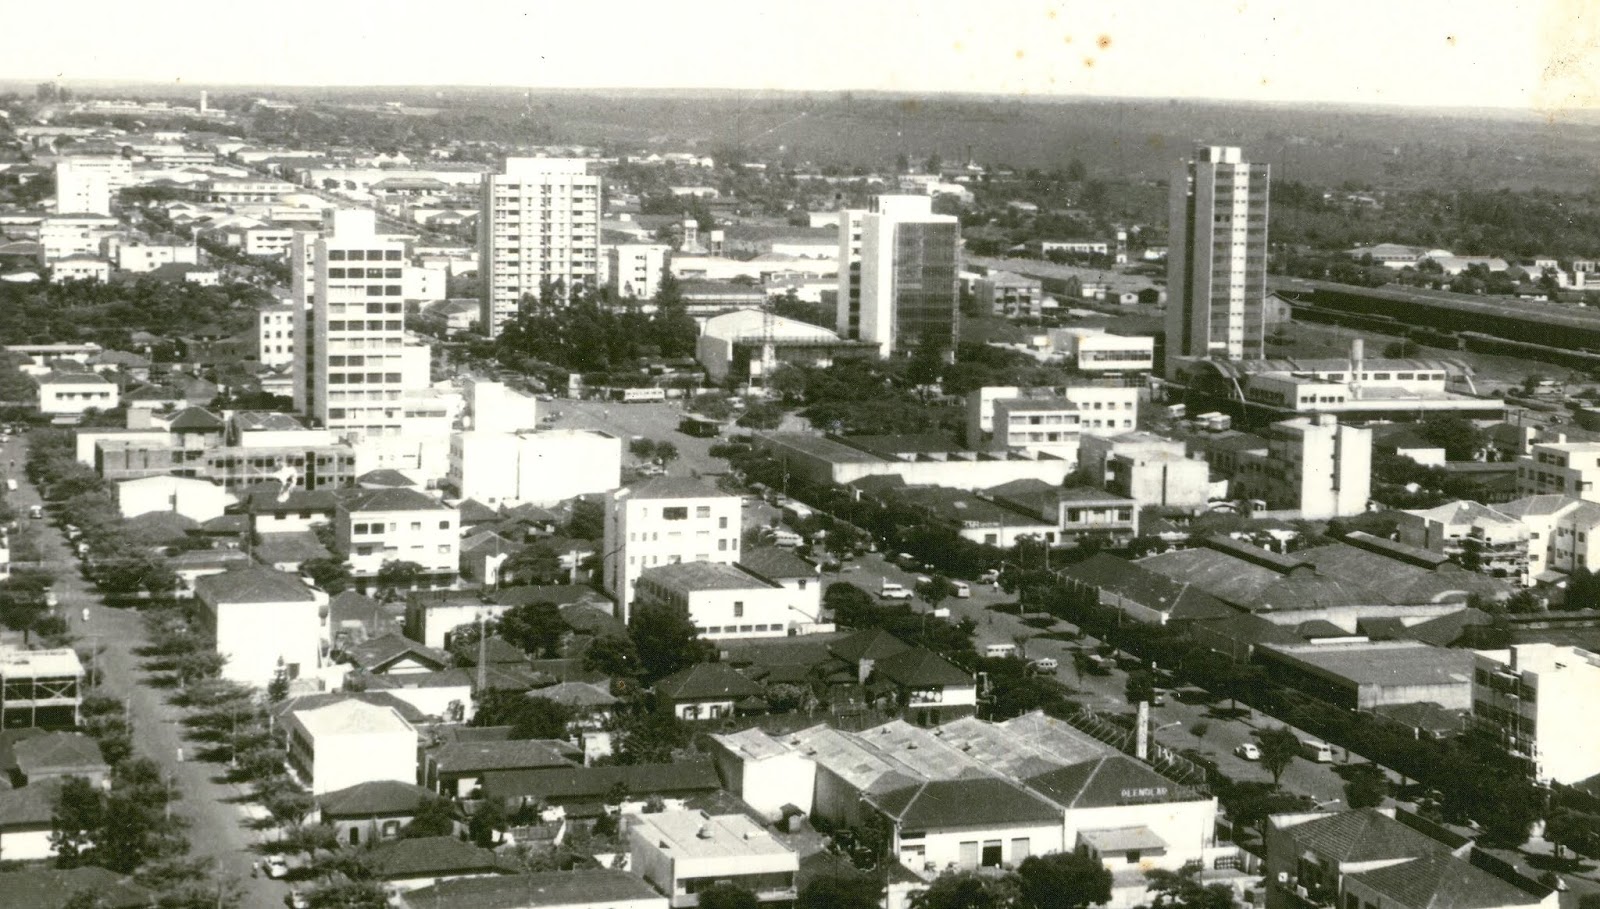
pixel 992 854
pixel 416 525
pixel 702 511
pixel 722 523
pixel 675 514
pixel 722 545
pixel 444 525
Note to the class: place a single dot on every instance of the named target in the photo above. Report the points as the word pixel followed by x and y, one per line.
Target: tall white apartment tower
pixel 909 263
pixel 83 186
pixel 849 315
pixel 663 522
pixel 1217 257
pixel 539 221
pixel 356 363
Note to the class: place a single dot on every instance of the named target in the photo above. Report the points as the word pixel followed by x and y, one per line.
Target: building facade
pixel 664 522
pixel 1316 466
pixel 1530 695
pixel 539 224
pixel 909 263
pixel 1217 257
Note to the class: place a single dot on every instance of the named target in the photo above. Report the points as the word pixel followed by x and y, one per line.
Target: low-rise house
pixel 592 705
pixel 708 691
pixel 968 824
pixel 1367 857
pixel 590 791
pixel 930 688
pixel 383 525
pixel 457 768
pixel 395 654
pixel 350 742
pixel 408 864
pixel 581 889
pixel 56 755
pixel 72 393
pixel 445 695
pixel 727 601
pixel 682 853
pixel 371 812
pixel 264 622
pixel 27 818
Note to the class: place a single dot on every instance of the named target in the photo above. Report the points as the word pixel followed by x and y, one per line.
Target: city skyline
pixel 1527 56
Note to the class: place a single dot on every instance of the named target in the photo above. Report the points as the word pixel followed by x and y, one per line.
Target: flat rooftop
pixel 1383 663
pixel 694 834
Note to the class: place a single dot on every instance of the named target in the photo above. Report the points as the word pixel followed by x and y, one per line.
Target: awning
pixel 1122 839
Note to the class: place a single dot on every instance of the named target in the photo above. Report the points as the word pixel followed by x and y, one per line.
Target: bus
pixel 1316 751
pixel 638 395
pixel 700 427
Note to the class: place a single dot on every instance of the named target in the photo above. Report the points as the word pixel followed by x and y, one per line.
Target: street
pixel 214 816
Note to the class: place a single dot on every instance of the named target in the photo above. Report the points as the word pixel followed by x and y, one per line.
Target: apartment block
pixel 540 467
pixel 539 224
pixel 909 262
pixel 1560 468
pixel 1533 696
pixel 397 525
pixel 663 522
pixel 633 270
pixel 275 335
pixel 1313 465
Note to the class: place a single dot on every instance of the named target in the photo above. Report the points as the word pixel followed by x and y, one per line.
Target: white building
pixel 198 500
pixel 351 742
pixel 1217 258
pixel 662 522
pixel 540 467
pixel 633 270
pixel 494 407
pixel 83 185
pixel 264 622
pixel 685 852
pixel 139 258
pixel 908 274
pixel 1150 469
pixel 747 345
pixel 1534 697
pixel 730 601
pixel 1562 533
pixel 275 327
pixel 398 525
pixel 1096 350
pixel 539 223
pixel 270 242
pixel 1314 465
pixel 75 234
pixel 81 267
pixel 1094 409
pixel 1560 468
pixel 64 393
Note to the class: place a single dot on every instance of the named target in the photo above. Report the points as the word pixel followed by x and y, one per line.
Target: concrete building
pixel 848 314
pixel 1004 294
pixel 359 369
pixel 633 270
pixel 382 525
pixel 72 393
pixel 916 460
pixel 81 267
pixel 495 407
pixel 732 601
pixel 1103 407
pixel 1147 468
pixel 909 260
pixel 663 522
pixel 1366 675
pixel 682 853
pixel 1532 696
pixel 1498 541
pixel 1097 350
pixel 1217 257
pixel 1315 466
pixel 747 345
pixel 197 500
pixel 140 258
pixel 40 687
pixel 83 185
pixel 348 743
pixel 1563 534
pixel 539 224
pixel 1560 468
pixel 263 622
pixel 275 331
pixel 540 467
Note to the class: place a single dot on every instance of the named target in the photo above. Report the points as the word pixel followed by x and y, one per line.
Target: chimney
pixel 1357 358
pixel 1141 743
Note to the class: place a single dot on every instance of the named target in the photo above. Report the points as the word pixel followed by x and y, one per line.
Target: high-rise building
pixel 909 262
pixel 1217 257
pixel 634 269
pixel 663 522
pixel 84 184
pixel 849 317
pixel 539 222
pixel 357 363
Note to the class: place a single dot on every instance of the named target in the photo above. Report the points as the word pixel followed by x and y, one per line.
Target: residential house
pixel 27 819
pixel 663 521
pixel 457 768
pixel 349 742
pixel 371 812
pixel 930 688
pixel 264 623
pixel 382 525
pixel 69 394
pixel 407 864
pixel 708 691
pixel 57 755
pixel 587 792
pixel 683 853
pixel 580 889
pixel 1563 534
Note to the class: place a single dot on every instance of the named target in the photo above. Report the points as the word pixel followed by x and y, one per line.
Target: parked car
pixel 277 867
pixel 989 577
pixel 892 591
pixel 298 900
pixel 1248 750
pixel 963 590
pixel 1046 664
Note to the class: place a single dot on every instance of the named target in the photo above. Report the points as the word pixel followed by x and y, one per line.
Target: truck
pixel 892 591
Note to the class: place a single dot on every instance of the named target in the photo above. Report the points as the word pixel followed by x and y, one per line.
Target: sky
pixel 1538 54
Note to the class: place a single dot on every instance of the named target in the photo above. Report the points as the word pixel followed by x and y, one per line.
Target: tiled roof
pixel 385 478
pixel 253 585
pixel 57 751
pixel 972 802
pixel 575 694
pixel 776 563
pixel 55 888
pixel 577 784
pixel 1362 835
pixel 305 702
pixel 429 856
pixel 196 419
pixel 689 577
pixel 31 807
pixel 869 644
pixel 384 650
pixel 360 500
pixel 1147 588
pixel 1440 880
pixel 530 891
pixel 1108 781
pixel 707 681
pixel 350 718
pixel 475 512
pixel 380 798
pixel 290 548
pixel 513 754
pixel 921 668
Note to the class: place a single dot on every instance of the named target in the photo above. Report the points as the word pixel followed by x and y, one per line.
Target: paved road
pixel 215 819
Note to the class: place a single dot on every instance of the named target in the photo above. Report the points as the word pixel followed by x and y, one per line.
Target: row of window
pixel 369 325
pixel 356 378
pixel 378 527
pixel 738 629
pixel 369 255
pixel 364 273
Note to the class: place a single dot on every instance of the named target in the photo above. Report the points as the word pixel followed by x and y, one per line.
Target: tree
pixel 841 891
pixel 486 823
pixel 1140 687
pixel 728 895
pixel 1180 890
pixel 435 817
pixel 330 574
pixel 1064 880
pixel 969 890
pixel 613 656
pixel 79 816
pixel 1459 438
pixel 1279 747
pixel 643 449
pixel 348 894
pixel 1365 786
pixel 649 737
pixel 535 628
pixel 666 451
pixel 200 664
pixel 396 575
pixel 935 590
pixel 528 717
pixel 665 638
pixel 762 415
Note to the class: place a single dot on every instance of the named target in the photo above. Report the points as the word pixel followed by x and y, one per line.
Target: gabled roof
pixel 1362 835
pixel 511 754
pixel 196 419
pixel 1103 782
pixel 377 798
pixel 350 718
pixel 578 784
pixel 429 856
pixel 57 751
pixel 487 544
pixel 305 702
pixel 31 807
pixel 868 644
pixel 707 681
pixel 385 478
pixel 253 585
pixel 1179 600
pixel 290 548
pixel 475 512
pixel 1440 880
pixel 921 668
pixel 776 563
pixel 56 888
pixel 405 499
pixel 575 694
pixel 384 651
pixel 971 802
pixel 584 887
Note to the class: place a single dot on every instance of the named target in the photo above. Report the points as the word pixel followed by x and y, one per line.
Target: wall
pixel 771 783
pixel 197 500
pixel 429 537
pixel 26 845
pixel 344 761
pixel 254 635
pixel 942 849
pixel 713 612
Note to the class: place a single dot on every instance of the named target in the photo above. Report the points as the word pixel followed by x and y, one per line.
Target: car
pixel 1248 750
pixel 277 867
pixel 924 579
pixel 1046 664
pixel 989 577
pixel 298 900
